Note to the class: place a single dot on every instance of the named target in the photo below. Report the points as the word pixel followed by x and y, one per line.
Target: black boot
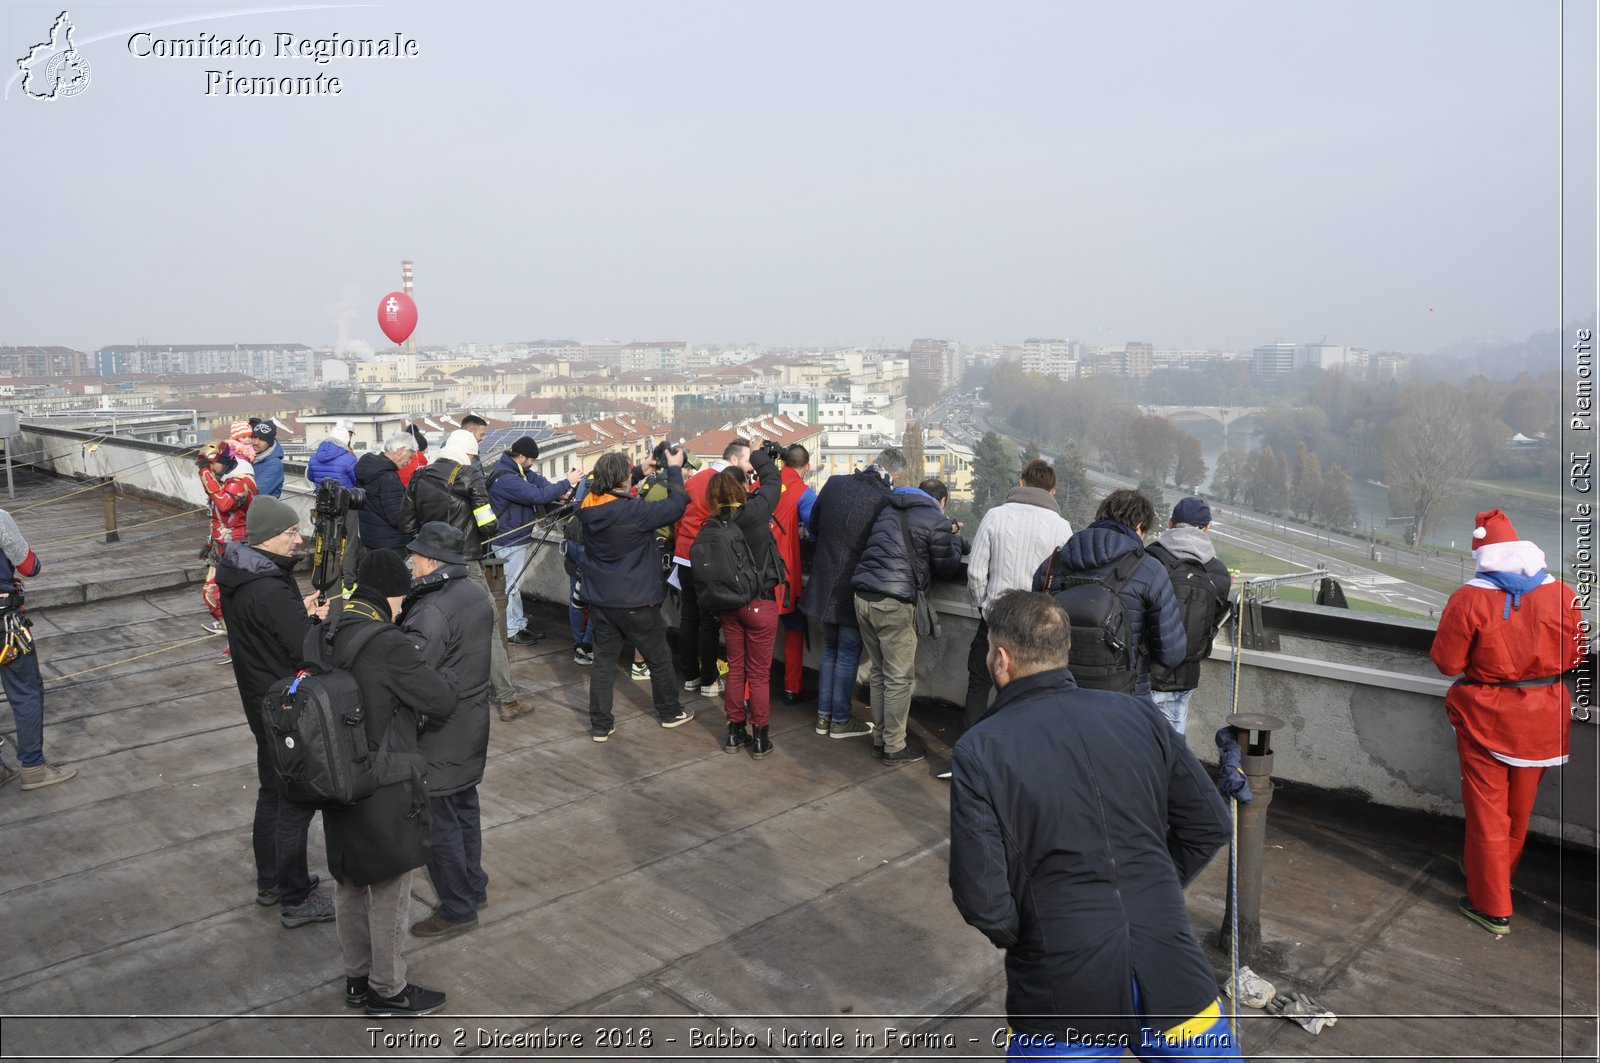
pixel 736 737
pixel 760 744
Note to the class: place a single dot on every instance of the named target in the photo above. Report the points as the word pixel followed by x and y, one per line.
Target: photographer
pixel 379 476
pixel 451 489
pixel 228 480
pixel 624 585
pixel 519 495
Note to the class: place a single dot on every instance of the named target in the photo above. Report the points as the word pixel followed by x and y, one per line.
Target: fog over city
pixel 1218 175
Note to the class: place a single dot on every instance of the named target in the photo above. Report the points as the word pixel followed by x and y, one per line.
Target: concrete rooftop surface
pixel 740 908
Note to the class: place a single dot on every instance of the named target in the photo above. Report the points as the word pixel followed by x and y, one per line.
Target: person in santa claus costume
pixel 1511 631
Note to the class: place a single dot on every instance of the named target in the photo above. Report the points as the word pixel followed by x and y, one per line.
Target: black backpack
pixel 1102 657
pixel 1197 606
pixel 725 575
pixel 316 730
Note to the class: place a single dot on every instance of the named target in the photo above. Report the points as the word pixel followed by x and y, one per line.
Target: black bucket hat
pixel 440 541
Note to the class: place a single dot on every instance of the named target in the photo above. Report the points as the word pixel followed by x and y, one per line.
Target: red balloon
pixel 397 316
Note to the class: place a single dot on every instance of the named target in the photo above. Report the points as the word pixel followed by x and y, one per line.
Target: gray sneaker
pixel 851 728
pixel 316 908
pixel 41 775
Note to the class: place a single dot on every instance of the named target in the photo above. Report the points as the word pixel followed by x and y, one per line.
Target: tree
pixel 993 473
pixel 1190 470
pixel 916 456
pixel 1305 478
pixel 1268 489
pixel 1029 453
pixel 1334 501
pixel 344 400
pixel 1233 474
pixel 1150 487
pixel 1073 493
pixel 1434 446
pixel 1154 448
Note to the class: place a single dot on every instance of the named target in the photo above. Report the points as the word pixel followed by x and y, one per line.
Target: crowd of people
pixel 1080 675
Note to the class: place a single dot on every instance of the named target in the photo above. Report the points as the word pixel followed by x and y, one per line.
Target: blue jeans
pixel 515 558
pixel 25 690
pixel 582 624
pixel 1174 705
pixel 836 673
pixel 456 863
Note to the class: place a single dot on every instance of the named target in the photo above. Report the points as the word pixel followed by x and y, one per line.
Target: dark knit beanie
pixel 525 447
pixel 383 573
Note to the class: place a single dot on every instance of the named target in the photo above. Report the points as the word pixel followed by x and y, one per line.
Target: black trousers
pixel 978 682
pixel 699 634
pixel 278 836
pixel 645 630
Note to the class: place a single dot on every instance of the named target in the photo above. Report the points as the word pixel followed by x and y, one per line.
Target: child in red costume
pixel 1513 630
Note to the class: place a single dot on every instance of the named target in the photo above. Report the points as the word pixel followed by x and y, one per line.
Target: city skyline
pixel 1216 177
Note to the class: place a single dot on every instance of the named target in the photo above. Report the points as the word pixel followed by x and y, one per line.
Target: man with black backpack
pixel 1200 585
pixel 1118 597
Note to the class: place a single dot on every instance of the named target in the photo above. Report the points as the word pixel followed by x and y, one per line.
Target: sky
pixel 1214 174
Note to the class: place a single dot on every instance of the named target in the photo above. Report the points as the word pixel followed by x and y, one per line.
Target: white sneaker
pixel 214 628
pixel 713 690
pixel 640 671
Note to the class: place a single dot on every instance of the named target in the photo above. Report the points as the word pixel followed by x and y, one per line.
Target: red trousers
pixel 794 660
pixel 749 633
pixel 1498 799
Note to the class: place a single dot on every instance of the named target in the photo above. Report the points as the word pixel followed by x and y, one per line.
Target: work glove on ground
pixel 1303 1009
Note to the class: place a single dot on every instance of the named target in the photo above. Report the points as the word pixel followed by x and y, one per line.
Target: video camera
pixel 334 499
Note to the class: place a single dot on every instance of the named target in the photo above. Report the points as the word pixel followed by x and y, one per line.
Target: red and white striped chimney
pixel 406 286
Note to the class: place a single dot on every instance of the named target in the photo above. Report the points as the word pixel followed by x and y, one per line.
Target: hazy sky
pixel 1206 174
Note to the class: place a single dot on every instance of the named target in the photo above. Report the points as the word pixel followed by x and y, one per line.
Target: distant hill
pixel 1540 353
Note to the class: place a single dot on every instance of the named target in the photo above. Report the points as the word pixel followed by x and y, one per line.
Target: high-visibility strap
pixel 1191 1029
pixel 483 515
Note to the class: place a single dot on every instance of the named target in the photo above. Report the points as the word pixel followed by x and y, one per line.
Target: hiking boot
pixel 737 738
pixel 355 992
pixel 269 896
pixel 760 744
pixel 437 926
pixel 412 1000
pixel 214 628
pixel 316 908
pixel 7 773
pixel 582 655
pixel 683 717
pixel 524 638
pixel 516 707
pixel 41 775
pixel 640 671
pixel 824 725
pixel 1498 925
pixel 851 728
pixel 910 754
pixel 711 690
pixel 600 734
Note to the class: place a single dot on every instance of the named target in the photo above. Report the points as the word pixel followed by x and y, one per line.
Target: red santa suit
pixel 1509 709
pixel 786 535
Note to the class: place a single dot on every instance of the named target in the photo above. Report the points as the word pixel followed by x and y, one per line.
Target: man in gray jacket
pixel 1200 585
pixel 450 619
pixel 1012 540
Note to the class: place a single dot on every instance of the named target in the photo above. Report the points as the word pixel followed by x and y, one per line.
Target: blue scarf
pixel 1515 584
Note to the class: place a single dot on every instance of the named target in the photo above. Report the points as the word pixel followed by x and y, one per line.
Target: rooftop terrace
pixel 653 881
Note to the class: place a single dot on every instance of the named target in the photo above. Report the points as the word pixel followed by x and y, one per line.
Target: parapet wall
pixel 1363 704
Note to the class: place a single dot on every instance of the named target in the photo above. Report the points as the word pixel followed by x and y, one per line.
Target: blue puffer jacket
pixel 386 498
pixel 332 460
pixel 840 522
pixel 1153 618
pixel 517 498
pixel 269 472
pixel 621 563
pixel 884 567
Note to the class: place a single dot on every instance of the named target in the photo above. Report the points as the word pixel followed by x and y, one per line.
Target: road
pixel 1298 546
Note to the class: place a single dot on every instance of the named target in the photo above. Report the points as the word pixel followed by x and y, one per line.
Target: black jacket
pixel 621 562
pixel 450 621
pixel 884 567
pixel 386 499
pixel 1186 676
pixel 841 520
pixel 267 622
pixel 1154 627
pixel 385 835
pixel 754 518
pixel 455 494
pixel 1076 819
